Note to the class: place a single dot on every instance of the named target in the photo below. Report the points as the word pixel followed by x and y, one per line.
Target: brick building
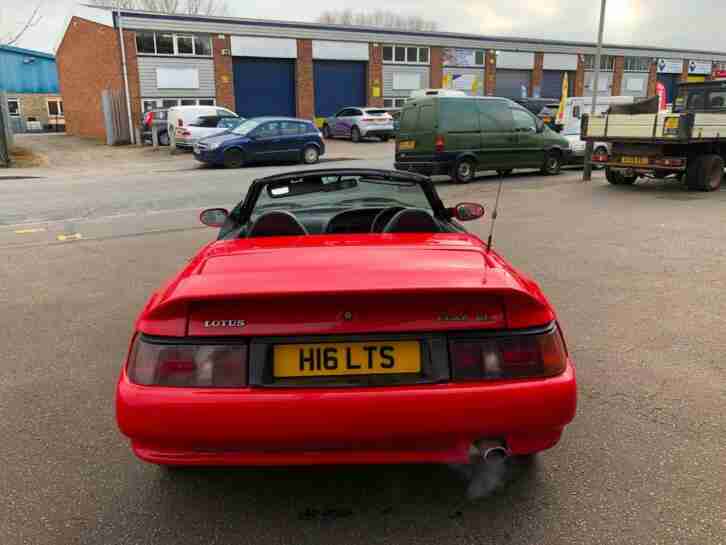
pixel 258 67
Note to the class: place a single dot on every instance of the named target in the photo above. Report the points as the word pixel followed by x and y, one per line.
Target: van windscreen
pixel 458 115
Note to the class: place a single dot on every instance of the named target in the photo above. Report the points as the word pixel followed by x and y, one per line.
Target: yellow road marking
pixel 28 231
pixel 74 236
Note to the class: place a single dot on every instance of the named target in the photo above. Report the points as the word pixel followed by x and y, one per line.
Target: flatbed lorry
pixel 688 143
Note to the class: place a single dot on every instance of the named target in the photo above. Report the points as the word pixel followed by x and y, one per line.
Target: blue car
pixel 263 139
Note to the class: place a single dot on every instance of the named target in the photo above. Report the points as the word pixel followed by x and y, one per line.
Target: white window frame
pixel 175 37
pixel 20 109
pixel 394 47
pixel 394 102
pixel 159 102
pixel 58 101
pixel 607 63
pixel 640 68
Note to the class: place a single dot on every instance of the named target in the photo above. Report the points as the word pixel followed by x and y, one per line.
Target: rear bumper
pixel 428 168
pixel 412 424
pixel 375 131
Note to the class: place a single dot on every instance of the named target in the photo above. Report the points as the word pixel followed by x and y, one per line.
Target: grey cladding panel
pixel 388 78
pixel 147 77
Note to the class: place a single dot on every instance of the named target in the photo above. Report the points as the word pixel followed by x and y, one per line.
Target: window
pixel 695 101
pixel 479 58
pixel 268 130
pixel 188 102
pixel 221 112
pixel 403 54
pixel 55 107
pixel 394 102
pixel 523 121
pixel 164 44
pixel 158 43
pixel 169 103
pixel 185 45
pixel 717 100
pixel 145 42
pixel 291 128
pixel 409 119
pixel 494 115
pixel 637 64
pixel 459 115
pixel 14 107
pixel 148 105
pixel 607 62
pixel 209 121
pixel 426 117
pixel 206 102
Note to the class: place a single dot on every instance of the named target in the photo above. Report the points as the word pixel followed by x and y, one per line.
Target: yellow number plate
pixel 635 160
pixel 407 144
pixel 335 359
pixel 671 123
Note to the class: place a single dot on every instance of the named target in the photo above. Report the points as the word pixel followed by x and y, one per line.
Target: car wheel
pixel 164 139
pixel 310 155
pixel 505 171
pixel 705 173
pixel 326 132
pixel 552 164
pixel 464 171
pixel 355 134
pixel 234 158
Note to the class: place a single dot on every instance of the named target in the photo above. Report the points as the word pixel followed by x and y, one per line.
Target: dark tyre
pixel 355 134
pixel 552 164
pixel 618 178
pixel 234 158
pixel 326 132
pixel 505 171
pixel 164 139
pixel 385 138
pixel 464 171
pixel 705 173
pixel 310 155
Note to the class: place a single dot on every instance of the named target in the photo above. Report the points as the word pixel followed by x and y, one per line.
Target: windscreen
pixel 341 192
pixel 376 112
pixel 246 127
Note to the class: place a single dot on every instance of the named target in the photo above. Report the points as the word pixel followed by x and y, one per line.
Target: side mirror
pixel 467 211
pixel 540 125
pixel 214 217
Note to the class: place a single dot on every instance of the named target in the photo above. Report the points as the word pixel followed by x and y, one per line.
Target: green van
pixel 458 136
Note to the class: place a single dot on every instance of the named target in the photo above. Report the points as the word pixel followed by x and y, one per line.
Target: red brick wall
pixel 490 81
pixel 304 88
pixel 223 72
pixel 375 75
pixel 652 79
pixel 537 73
pixel 618 69
pixel 89 61
pixel 580 77
pixel 437 68
pixel 684 73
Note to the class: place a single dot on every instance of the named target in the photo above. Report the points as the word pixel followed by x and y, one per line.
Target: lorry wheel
pixel 705 173
pixel 464 171
pixel 552 164
pixel 618 178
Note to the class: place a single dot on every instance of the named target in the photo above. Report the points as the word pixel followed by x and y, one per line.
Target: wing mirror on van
pixel 466 211
pixel 214 217
pixel 540 125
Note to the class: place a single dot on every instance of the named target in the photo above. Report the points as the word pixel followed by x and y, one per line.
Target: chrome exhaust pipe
pixel 488 451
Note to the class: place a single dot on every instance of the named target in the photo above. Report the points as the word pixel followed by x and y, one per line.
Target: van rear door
pixel 498 139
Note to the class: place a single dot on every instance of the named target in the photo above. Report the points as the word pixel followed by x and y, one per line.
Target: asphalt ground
pixel 637 275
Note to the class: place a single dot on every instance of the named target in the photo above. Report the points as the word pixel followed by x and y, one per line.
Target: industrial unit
pixel 263 67
pixel 30 82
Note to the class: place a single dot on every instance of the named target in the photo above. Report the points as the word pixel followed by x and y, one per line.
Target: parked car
pixel 544 108
pixel 155 118
pixel 420 93
pixel 180 117
pixel 206 125
pixel 263 139
pixel 359 123
pixel 345 316
pixel 459 136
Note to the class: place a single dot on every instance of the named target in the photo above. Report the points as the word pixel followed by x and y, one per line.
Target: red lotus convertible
pixel 344 317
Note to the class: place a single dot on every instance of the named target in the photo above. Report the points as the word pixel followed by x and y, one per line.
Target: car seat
pixel 412 220
pixel 277 223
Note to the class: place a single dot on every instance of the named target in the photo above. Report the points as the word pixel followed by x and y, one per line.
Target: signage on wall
pixel 455 56
pixel 720 74
pixel 670 66
pixel 702 68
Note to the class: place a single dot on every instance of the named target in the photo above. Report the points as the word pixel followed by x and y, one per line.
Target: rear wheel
pixel 705 173
pixel 326 132
pixel 355 134
pixel 234 158
pixel 552 164
pixel 464 171
pixel 310 155
pixel 164 139
pixel 616 177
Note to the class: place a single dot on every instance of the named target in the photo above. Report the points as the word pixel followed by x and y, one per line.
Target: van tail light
pixel 187 365
pixel 439 143
pixel 509 357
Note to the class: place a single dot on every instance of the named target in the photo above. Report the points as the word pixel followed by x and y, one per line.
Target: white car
pixel 358 123
pixel 183 123
pixel 577 146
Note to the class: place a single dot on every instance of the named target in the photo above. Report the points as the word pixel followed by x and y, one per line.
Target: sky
pixel 679 24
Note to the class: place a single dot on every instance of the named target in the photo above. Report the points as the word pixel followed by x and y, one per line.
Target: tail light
pixel 670 162
pixel 188 366
pixel 439 143
pixel 183 132
pixel 368 119
pixel 600 158
pixel 179 122
pixel 518 356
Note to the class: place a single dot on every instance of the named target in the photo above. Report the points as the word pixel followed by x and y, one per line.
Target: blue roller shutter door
pixel 670 81
pixel 264 87
pixel 510 82
pixel 338 84
pixel 552 84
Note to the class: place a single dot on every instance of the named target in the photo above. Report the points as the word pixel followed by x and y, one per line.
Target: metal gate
pixel 513 83
pixel 115 117
pixel 264 87
pixel 338 84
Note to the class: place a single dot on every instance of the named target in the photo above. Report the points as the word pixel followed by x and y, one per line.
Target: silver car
pixel 359 123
